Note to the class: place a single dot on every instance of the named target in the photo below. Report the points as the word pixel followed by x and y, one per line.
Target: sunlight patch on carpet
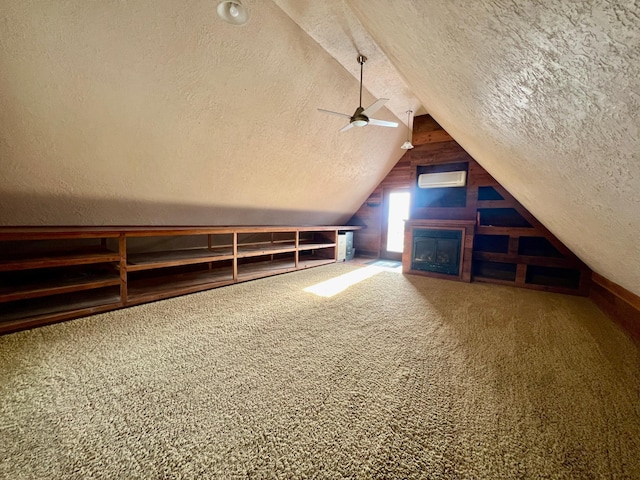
pixel 332 287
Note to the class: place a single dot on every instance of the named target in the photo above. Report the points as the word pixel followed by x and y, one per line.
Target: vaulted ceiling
pixel 157 112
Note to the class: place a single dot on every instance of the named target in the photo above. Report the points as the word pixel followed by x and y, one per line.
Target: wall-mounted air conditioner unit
pixel 442 179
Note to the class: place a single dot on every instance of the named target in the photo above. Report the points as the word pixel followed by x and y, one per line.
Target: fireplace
pixel 436 250
pixel 439 248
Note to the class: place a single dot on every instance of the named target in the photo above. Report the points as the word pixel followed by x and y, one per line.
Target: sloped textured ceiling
pixel 546 96
pixel 157 112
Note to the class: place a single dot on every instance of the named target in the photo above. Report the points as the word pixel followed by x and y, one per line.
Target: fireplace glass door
pixel 436 250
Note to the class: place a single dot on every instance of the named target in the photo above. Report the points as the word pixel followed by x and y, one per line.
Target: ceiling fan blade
pixel 334 113
pixel 382 123
pixel 375 106
pixel 346 127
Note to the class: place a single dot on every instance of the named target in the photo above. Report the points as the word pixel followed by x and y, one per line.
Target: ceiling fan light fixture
pixel 407 145
pixel 233 12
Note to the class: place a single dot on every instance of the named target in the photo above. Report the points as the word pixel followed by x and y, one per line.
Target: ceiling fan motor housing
pixel 358 119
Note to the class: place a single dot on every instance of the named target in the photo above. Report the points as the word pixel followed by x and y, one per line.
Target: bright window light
pixel 399 203
pixel 332 287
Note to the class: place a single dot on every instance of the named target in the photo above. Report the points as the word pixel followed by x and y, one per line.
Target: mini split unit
pixel 443 179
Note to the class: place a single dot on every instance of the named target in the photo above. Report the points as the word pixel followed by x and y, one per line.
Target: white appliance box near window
pixel 443 179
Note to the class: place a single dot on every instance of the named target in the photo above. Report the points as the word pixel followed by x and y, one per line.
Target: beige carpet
pixel 397 377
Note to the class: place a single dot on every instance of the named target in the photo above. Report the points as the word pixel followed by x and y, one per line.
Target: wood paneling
pixel 437 153
pixel 444 153
pixel 426 131
pixel 559 271
pixel 619 303
pixel 424 124
pixel 432 137
pixel 367 241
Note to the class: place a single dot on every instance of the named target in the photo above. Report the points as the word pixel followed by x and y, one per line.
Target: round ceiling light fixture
pixel 233 12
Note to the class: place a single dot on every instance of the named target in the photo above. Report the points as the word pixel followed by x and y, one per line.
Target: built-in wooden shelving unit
pixel 507 244
pixel 512 248
pixel 53 274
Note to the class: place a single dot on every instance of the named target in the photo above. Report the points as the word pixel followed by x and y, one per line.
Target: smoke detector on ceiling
pixel 233 12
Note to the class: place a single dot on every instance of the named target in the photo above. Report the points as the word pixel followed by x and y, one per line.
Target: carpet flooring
pixel 394 377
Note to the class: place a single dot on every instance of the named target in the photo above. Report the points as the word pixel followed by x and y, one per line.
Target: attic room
pixel 213 266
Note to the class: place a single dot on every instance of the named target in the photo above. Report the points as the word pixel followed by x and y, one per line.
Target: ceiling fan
pixel 361 118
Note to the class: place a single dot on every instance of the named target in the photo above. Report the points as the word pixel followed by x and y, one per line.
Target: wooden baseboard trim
pixel 619 303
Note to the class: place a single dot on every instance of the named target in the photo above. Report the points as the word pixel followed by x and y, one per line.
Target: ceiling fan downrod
pixel 361 60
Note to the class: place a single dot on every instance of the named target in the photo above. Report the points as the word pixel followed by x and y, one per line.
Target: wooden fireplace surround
pixel 466 246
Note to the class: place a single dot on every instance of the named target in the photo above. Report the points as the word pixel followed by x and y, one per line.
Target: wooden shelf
pixel 495 204
pixel 528 257
pixel 251 271
pixel 486 270
pixel 57 233
pixel 499 281
pixel 511 231
pixel 313 261
pixel 171 285
pixel 253 250
pixel 58 307
pixel 525 259
pixel 33 321
pixel 290 241
pixel 57 259
pixel 146 261
pixel 315 246
pixel 56 286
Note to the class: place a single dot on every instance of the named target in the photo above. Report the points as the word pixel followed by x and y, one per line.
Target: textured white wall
pixel 546 96
pixel 157 112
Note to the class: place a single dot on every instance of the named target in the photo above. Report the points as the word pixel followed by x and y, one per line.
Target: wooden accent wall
pixel 510 246
pixel 427 130
pixel 367 241
pixel 511 262
pixel 442 153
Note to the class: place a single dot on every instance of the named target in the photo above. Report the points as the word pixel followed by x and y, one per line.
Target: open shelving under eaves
pixel 50 274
